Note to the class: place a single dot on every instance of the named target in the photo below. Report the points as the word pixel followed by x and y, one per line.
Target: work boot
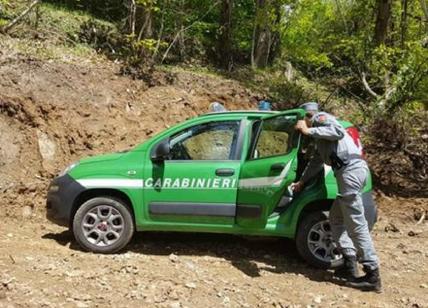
pixel 369 282
pixel 349 270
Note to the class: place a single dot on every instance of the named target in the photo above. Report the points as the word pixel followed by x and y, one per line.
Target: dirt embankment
pixel 54 113
pixel 398 154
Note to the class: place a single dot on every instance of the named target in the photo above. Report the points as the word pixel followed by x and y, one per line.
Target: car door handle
pixel 225 172
pixel 277 167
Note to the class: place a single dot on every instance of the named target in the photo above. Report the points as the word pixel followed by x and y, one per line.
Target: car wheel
pixel 314 241
pixel 103 225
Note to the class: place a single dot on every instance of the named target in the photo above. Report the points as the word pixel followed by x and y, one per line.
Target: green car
pixel 224 172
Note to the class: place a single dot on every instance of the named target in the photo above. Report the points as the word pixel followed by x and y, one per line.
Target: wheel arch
pixel 314 206
pixel 100 192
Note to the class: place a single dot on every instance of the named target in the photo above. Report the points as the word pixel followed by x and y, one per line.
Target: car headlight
pixel 68 169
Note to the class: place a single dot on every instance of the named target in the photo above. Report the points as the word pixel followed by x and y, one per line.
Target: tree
pixel 145 14
pixel 403 21
pixel 265 40
pixel 225 43
pixel 132 15
pixel 383 19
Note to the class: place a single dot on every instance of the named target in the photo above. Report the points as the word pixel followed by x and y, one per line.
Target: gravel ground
pixel 41 265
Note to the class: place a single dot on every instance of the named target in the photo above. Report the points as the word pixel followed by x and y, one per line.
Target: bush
pixel 101 36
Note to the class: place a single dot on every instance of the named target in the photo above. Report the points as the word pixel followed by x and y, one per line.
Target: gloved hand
pixel 297 186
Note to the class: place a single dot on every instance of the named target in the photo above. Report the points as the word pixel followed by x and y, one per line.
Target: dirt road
pixel 41 265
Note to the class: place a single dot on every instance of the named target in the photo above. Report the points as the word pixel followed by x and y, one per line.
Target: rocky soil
pixel 41 265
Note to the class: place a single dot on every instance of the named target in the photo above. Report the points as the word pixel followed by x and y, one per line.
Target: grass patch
pixel 46 51
pixel 51 32
pixel 65 21
pixel 196 69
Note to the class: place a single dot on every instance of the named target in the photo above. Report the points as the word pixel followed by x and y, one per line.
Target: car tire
pixel 103 225
pixel 314 243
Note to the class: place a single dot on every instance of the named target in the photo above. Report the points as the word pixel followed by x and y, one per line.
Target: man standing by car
pixel 350 230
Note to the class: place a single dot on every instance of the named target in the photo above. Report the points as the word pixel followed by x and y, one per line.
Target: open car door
pixel 270 167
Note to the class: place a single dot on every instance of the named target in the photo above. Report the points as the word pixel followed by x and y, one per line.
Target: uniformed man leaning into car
pixel 335 147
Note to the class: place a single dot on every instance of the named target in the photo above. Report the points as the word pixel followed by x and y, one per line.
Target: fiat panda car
pixel 224 172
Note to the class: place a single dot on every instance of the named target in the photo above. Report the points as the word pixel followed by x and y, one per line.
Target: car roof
pixel 240 112
pixel 244 113
pixel 259 114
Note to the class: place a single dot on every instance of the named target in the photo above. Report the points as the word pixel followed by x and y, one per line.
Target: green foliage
pixel 284 93
pixel 62 20
pixel 110 10
pixel 331 41
pixel 303 37
pixel 405 70
pixel 411 68
pixel 4 4
pixel 6 12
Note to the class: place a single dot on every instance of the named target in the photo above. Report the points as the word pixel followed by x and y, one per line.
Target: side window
pixel 211 141
pixel 275 136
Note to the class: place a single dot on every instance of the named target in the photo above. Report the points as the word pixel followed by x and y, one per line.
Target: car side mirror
pixel 161 151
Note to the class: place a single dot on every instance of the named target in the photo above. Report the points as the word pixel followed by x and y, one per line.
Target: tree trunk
pixel 261 34
pixel 224 45
pixel 275 43
pixel 267 39
pixel 145 17
pixel 181 44
pixel 262 48
pixel 253 39
pixel 383 19
pixel 159 37
pixel 403 22
pixel 132 12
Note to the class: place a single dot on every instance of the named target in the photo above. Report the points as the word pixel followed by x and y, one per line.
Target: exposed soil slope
pixel 53 113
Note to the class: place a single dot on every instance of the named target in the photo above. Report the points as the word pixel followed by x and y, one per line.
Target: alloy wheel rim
pixel 103 225
pixel 321 244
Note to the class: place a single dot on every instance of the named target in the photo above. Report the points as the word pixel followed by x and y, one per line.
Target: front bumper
pixel 62 193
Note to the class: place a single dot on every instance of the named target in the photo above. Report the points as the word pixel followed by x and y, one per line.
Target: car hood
pixel 102 158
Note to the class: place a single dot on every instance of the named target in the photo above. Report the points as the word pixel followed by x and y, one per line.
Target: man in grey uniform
pixel 335 147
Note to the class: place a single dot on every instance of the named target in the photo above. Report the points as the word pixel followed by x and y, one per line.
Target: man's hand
pixel 302 127
pixel 298 186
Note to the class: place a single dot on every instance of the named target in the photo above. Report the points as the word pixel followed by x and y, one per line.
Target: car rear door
pixel 270 167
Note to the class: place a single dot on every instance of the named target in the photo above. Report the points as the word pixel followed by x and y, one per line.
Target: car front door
pixel 269 169
pixel 197 182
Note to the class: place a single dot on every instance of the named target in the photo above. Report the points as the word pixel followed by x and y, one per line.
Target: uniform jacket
pixel 329 137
